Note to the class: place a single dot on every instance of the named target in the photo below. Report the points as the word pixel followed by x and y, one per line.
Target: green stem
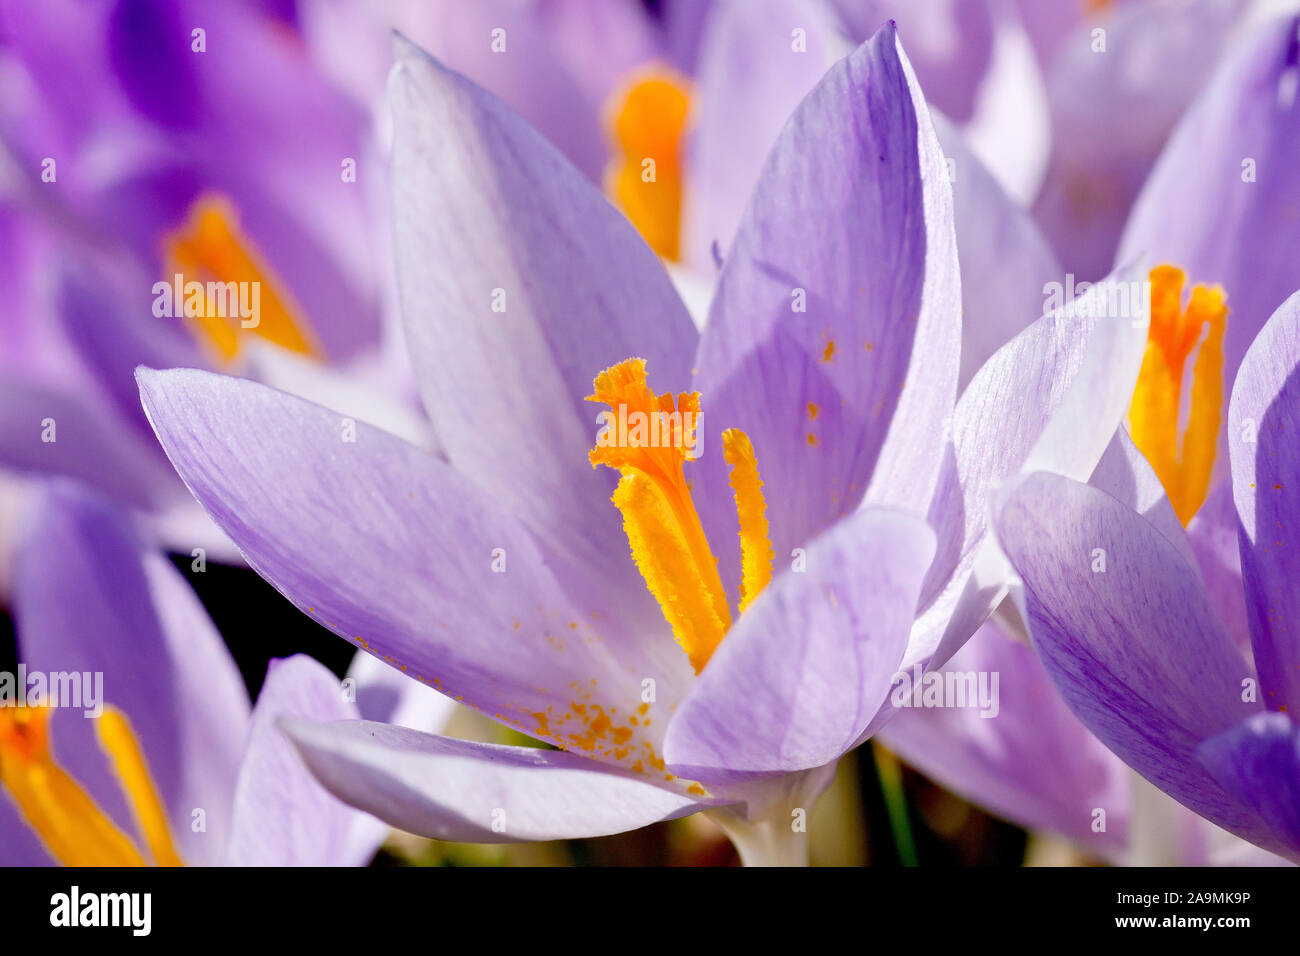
pixel 890 773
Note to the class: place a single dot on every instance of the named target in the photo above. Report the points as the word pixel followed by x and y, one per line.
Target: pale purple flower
pixel 92 598
pixel 1029 760
pixel 1218 205
pixel 120 123
pixel 1138 650
pixel 848 403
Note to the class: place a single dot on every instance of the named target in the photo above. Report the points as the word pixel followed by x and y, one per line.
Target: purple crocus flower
pixel 153 139
pixel 1123 623
pixel 1219 206
pixel 1029 760
pixel 501 575
pixel 165 764
pixel 1230 153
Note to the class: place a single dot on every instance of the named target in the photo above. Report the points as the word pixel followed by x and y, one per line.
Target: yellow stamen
pixel 120 744
pixel 663 528
pixel 755 546
pixel 1183 468
pixel 73 827
pixel 210 248
pixel 664 559
pixel 648 120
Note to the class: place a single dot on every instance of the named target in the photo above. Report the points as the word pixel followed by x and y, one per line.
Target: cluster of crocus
pixel 153 149
pixel 1203 208
pixel 174 769
pixel 501 575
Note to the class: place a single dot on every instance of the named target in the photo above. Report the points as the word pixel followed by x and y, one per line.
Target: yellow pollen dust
pixel 1183 467
pixel 663 528
pixel 647 120
pixel 71 825
pixel 210 249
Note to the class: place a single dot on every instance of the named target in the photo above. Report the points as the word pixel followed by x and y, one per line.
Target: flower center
pixel 74 829
pixel 647 121
pixel 238 290
pixel 1183 467
pixel 649 438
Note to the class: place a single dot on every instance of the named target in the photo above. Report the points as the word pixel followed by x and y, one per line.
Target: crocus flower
pixel 1031 761
pixel 166 765
pixel 1225 235
pixel 502 576
pixel 1138 650
pixel 603 80
pixel 148 140
pixel 1219 210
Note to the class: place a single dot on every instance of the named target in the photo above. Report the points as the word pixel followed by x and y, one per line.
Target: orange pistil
pixel 648 121
pixel 211 250
pixel 1183 467
pixel 663 528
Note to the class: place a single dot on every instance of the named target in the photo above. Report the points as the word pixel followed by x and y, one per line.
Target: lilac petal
pixel 1054 396
pixel 19 846
pixel 534 76
pixel 89 596
pixel 365 389
pixel 751 79
pixel 282 816
pixel 602 44
pixel 149 48
pixel 1010 130
pixel 1125 474
pixel 1263 425
pixel 275 155
pixel 1157 58
pixel 951 43
pixel 1258 762
pixel 1219 203
pixel 386 695
pixel 800 675
pixel 1136 651
pixel 87 444
pixel 469 792
pixel 1030 762
pixel 392 549
pixel 313 228
pixel 1214 537
pixel 1005 261
pixel 109 323
pixel 1050 25
pixel 853 213
pixel 486 207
